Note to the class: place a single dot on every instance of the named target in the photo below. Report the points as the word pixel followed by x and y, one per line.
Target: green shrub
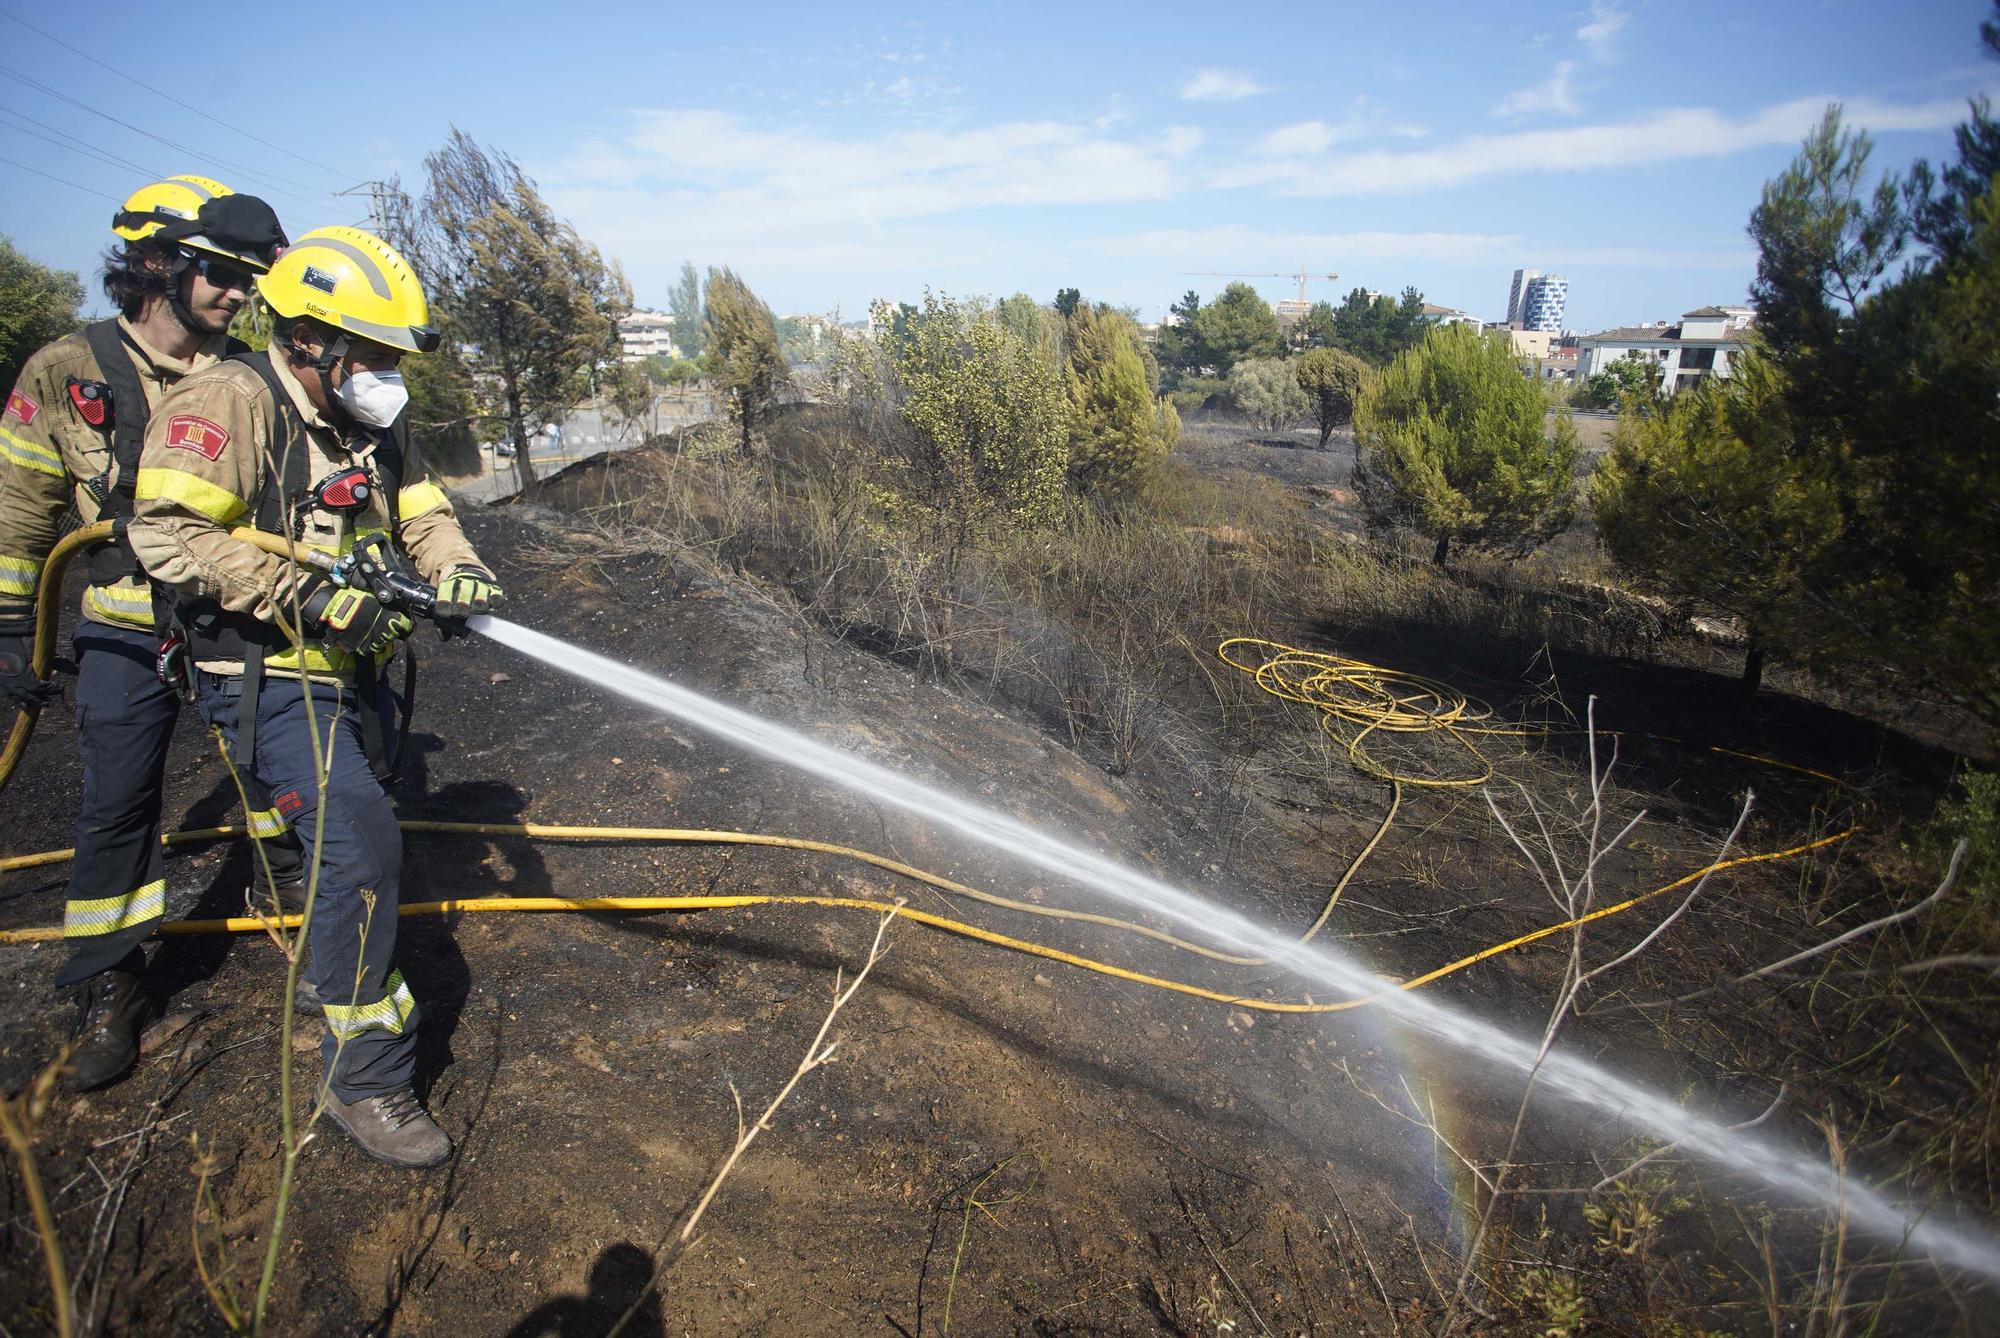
pixel 1971 813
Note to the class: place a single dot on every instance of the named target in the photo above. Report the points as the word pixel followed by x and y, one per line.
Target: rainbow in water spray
pixel 1967 1246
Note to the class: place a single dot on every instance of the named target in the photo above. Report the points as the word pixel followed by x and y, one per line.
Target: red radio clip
pixel 344 492
pixel 92 400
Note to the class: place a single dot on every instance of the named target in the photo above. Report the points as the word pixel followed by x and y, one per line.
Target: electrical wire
pixel 269 181
pixel 88 190
pixel 71 143
pixel 161 92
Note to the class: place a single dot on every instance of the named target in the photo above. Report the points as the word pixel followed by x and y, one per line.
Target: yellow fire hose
pixel 48 616
pixel 1366 699
pixel 498 905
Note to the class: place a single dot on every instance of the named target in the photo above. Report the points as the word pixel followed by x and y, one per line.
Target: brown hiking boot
pixel 107 1031
pixel 291 899
pixel 393 1128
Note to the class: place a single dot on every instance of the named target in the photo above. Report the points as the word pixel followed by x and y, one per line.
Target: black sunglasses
pixel 222 273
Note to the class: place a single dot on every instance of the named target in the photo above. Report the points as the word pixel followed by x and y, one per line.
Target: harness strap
pixel 112 561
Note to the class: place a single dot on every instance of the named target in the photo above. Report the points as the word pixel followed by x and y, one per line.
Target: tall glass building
pixel 1543 301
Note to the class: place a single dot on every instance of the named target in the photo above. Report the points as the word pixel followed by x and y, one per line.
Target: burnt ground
pixel 1036 1148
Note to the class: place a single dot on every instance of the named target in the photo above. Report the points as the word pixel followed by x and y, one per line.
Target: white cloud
pixel 715 165
pixel 1664 136
pixel 1310 137
pixel 1553 97
pixel 1600 35
pixel 1211 85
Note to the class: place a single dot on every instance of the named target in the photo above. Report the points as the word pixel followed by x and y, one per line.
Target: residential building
pixel 1543 302
pixel 1701 344
pixel 1290 311
pixel 1517 293
pixel 646 334
pixel 1529 344
pixel 1437 315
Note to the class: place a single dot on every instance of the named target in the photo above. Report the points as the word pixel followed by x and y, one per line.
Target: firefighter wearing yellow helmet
pixel 186 253
pixel 280 440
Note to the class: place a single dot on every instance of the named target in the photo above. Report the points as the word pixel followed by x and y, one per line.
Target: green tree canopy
pixel 684 307
pixel 1452 443
pixel 1701 501
pixel 1332 381
pixel 629 392
pixel 1118 434
pixel 1633 379
pixel 1266 392
pixel 1377 329
pixel 989 418
pixel 517 288
pixel 1318 327
pixel 1180 351
pixel 1237 325
pixel 738 330
pixel 37 304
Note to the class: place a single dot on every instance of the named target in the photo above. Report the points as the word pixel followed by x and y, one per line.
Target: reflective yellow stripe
pixel 30 454
pixel 265 823
pixel 416 499
pixel 385 1014
pixel 108 915
pixel 197 494
pixel 18 575
pixel 318 660
pixel 120 605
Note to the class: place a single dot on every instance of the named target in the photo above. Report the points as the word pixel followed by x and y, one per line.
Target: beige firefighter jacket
pixel 209 447
pixel 48 453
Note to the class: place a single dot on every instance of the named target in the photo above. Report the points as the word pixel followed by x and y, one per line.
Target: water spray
pixel 1805 1180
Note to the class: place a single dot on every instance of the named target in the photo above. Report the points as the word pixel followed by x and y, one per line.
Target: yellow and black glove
pixel 354 620
pixel 468 591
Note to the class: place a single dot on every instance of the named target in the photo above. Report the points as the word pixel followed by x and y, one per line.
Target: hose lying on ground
pixel 1355 701
pixel 500 905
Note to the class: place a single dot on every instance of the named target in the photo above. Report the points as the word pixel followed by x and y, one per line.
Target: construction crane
pixel 1299 277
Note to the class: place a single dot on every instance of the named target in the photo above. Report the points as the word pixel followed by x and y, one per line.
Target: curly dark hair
pixel 130 276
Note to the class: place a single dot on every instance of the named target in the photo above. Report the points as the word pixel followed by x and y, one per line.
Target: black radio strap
pixel 113 561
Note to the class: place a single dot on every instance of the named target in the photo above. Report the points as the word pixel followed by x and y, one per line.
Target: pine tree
pixel 1118 433
pixel 738 330
pixel 1451 443
pixel 1332 381
pixel 1703 502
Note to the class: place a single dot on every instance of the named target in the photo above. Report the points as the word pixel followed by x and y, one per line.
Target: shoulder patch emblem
pixel 192 433
pixel 21 407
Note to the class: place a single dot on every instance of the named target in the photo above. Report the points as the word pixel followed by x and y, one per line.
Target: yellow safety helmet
pixel 353 281
pixel 203 215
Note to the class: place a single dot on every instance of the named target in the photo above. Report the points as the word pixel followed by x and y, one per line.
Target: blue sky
pixel 836 153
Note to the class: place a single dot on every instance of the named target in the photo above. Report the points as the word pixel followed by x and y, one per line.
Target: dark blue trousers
pixel 350 837
pixel 124 723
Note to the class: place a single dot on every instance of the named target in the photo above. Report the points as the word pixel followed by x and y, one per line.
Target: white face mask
pixel 373 398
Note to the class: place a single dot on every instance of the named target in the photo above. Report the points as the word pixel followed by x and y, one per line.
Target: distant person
pixel 188 250
pixel 246 443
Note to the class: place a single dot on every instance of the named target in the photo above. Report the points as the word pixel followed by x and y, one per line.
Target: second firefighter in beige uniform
pixel 204 469
pixel 345 309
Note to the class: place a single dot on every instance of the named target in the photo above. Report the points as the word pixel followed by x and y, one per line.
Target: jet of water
pixel 1806 1180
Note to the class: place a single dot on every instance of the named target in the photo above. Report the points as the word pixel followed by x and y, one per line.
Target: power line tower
pixel 379 195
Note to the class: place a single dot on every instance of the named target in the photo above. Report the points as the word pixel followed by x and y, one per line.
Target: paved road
pixel 586 432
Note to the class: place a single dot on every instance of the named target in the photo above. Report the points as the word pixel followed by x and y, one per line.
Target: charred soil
pixel 1002 1143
